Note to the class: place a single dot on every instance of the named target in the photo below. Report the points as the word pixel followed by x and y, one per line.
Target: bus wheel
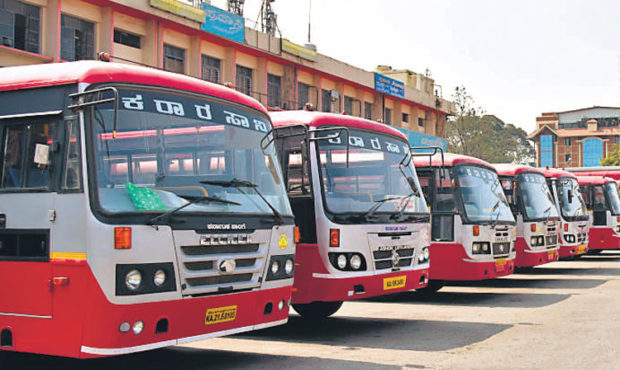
pixel 317 310
pixel 432 287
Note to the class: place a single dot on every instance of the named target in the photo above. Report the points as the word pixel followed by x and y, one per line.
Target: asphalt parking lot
pixel 563 315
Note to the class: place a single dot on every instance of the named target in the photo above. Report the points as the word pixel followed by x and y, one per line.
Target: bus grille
pixel 384 259
pixel 501 249
pixel 551 240
pixel 207 269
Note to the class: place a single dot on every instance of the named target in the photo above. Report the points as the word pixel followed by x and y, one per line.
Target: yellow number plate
pixel 551 254
pixel 582 248
pixel 394 282
pixel 220 314
pixel 500 264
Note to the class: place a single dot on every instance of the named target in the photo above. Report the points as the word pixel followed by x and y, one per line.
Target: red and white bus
pixel 538 219
pixel 606 171
pixel 601 197
pixel 573 212
pixel 473 229
pixel 137 210
pixel 363 222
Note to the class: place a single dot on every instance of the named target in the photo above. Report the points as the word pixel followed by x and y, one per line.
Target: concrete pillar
pixel 261 80
pixel 289 87
pixel 150 44
pixel 105 32
pixel 377 107
pixel 194 60
pixel 50 29
pixel 229 66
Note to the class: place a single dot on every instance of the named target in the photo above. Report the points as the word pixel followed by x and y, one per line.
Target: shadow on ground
pixel 181 358
pixel 524 282
pixel 417 335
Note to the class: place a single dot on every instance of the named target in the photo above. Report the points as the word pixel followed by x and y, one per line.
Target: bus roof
pixel 450 160
pixel 510 169
pixel 611 171
pixel 318 119
pixel 594 180
pixel 555 173
pixel 41 75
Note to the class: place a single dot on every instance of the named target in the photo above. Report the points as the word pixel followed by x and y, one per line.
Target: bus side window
pixel 586 196
pixel 72 176
pixel 444 198
pixel 297 179
pixel 26 156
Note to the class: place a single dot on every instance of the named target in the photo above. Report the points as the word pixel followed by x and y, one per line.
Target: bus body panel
pixel 601 196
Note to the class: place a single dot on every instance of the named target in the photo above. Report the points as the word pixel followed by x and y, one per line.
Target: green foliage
pixel 613 157
pixel 484 136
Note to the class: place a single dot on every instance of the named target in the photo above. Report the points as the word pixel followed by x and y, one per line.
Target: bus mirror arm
pixel 276 133
pixel 96 97
pixel 427 149
pixel 336 135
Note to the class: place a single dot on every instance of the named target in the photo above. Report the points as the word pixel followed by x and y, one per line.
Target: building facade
pixel 206 42
pixel 576 138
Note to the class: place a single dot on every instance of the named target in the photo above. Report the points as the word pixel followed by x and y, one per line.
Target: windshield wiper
pixel 401 211
pixel 378 203
pixel 495 207
pixel 192 200
pixel 238 184
pixel 547 211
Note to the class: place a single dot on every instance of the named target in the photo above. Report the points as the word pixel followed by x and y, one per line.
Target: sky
pixel 516 59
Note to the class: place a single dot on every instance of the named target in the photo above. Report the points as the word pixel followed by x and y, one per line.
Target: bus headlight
pixel 159 278
pixel 137 327
pixel 133 280
pixel 288 266
pixel 427 254
pixel 480 248
pixel 275 266
pixel 356 262
pixel 342 261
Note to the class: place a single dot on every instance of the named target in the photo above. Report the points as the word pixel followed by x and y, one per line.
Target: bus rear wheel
pixel 317 310
pixel 432 287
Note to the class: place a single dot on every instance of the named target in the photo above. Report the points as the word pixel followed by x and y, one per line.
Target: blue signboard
pixel 420 139
pixel 223 23
pixel 389 86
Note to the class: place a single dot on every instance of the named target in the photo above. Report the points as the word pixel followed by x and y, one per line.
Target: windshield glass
pixel 536 197
pixel 571 202
pixel 167 143
pixel 611 190
pixel 380 174
pixel 482 195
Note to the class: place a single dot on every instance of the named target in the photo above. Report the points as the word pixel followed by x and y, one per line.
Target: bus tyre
pixel 317 310
pixel 432 287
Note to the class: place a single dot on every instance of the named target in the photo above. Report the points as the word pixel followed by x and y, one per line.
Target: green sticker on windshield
pixel 145 199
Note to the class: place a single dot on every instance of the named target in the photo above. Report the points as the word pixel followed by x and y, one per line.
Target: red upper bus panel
pixel 40 75
pixel 318 119
pixel 450 160
pixel 555 173
pixel 509 169
pixel 594 180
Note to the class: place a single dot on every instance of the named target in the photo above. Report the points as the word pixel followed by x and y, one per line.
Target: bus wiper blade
pixel 238 184
pixel 401 211
pixel 495 207
pixel 192 200
pixel 378 203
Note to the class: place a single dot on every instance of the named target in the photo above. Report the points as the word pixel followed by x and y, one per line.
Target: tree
pixel 613 157
pixel 485 136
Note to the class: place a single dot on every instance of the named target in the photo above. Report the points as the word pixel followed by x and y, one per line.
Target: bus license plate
pixel 500 264
pixel 394 282
pixel 582 248
pixel 220 314
pixel 550 254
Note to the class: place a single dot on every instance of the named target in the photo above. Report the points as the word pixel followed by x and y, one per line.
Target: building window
pixel 77 38
pixel 244 80
pixel 421 122
pixel 592 152
pixel 303 95
pixel 388 116
pixel 567 141
pixel 546 151
pixel 274 90
pixel 19 25
pixel 127 39
pixel 211 69
pixel 348 105
pixel 567 158
pixel 405 117
pixel 326 98
pixel 368 110
pixel 616 139
pixel 174 59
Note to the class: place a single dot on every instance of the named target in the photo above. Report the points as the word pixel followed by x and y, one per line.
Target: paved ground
pixel 564 315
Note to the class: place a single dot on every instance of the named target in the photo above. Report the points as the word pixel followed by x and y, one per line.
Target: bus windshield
pixel 571 201
pixel 611 191
pixel 179 151
pixel 482 195
pixel 380 177
pixel 536 197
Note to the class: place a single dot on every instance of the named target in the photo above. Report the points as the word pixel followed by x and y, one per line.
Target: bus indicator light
pixel 476 230
pixel 297 234
pixel 533 227
pixel 122 238
pixel 334 238
pixel 566 227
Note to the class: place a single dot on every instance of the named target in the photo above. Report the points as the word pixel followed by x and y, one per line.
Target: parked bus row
pixel 141 209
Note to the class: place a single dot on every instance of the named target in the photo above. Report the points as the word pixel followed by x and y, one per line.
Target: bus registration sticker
pixel 220 314
pixel 394 282
pixel 582 248
pixel 500 264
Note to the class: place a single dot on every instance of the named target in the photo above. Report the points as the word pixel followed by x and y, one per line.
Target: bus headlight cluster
pixel 144 278
pixel 281 267
pixel 481 248
pixel 570 238
pixel 348 261
pixel 137 327
pixel 537 241
pixel 424 255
